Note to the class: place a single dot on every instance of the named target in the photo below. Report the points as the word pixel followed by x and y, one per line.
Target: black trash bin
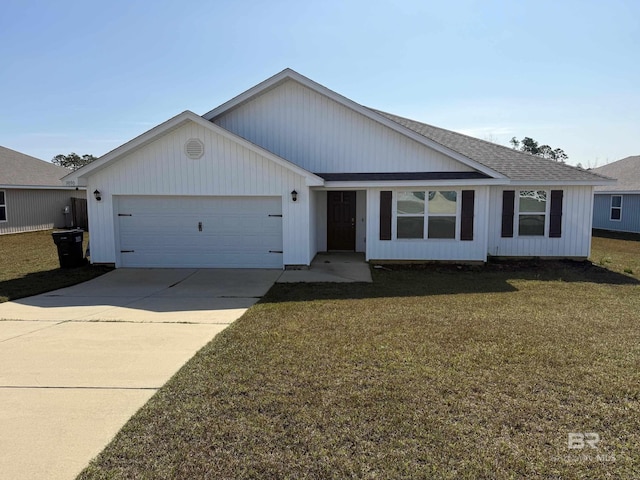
pixel 69 243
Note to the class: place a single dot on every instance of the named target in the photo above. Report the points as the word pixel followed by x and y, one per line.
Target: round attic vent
pixel 194 148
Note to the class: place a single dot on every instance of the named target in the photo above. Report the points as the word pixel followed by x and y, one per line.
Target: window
pixel 410 215
pixel 532 210
pixel 3 207
pixel 616 208
pixel 437 220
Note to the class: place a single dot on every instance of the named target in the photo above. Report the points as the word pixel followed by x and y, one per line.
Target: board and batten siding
pixel 630 215
pixel 577 208
pixel 323 136
pixel 427 249
pixel 226 169
pixel 30 210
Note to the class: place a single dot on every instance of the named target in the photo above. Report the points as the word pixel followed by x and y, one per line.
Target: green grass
pixel 436 372
pixel 29 265
pixel 619 252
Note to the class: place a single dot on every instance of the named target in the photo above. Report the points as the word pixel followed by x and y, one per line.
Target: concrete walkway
pixel 77 363
pixel 340 267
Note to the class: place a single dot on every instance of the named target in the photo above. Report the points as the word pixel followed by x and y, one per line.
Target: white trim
pixel 85 172
pixel 611 207
pixel 425 215
pixel 412 183
pixel 288 74
pixel 560 183
pixel 617 192
pixel 4 204
pixel 41 187
pixel 546 213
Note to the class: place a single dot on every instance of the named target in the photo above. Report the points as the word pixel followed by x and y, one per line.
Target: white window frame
pixel 611 207
pixel 426 214
pixel 4 204
pixel 547 211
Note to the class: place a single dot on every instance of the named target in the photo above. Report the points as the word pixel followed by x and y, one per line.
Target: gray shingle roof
pixel 19 169
pixel 627 171
pixel 511 163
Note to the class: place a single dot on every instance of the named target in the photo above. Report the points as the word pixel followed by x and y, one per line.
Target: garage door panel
pixel 235 232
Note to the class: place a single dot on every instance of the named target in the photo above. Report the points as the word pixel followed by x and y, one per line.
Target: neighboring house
pixel 290 168
pixel 32 195
pixel 617 207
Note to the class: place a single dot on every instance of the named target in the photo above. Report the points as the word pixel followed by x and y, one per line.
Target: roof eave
pixel 40 187
pixel 414 183
pixel 543 182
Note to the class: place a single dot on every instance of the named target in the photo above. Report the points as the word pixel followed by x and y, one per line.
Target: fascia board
pixel 567 183
pixel 415 183
pixel 617 192
pixel 41 187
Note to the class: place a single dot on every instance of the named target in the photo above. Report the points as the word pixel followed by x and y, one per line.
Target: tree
pixel 73 161
pixel 529 145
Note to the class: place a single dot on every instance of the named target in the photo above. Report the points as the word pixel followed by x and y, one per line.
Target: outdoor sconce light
pixel 98 195
pixel 294 196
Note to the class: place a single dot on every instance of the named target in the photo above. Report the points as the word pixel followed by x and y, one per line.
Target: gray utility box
pixel 69 243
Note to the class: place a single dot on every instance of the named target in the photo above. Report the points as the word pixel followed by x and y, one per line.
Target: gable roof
pixel 179 120
pixel 288 74
pixel 494 160
pixel 516 165
pixel 627 171
pixel 18 169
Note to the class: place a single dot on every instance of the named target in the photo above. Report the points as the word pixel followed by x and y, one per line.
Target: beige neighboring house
pixel 33 196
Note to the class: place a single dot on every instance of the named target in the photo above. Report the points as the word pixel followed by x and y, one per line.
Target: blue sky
pixel 87 76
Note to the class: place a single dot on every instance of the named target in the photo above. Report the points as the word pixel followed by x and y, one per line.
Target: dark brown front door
pixel 341 221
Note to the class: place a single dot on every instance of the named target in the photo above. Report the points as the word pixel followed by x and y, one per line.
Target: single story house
pixel 617 207
pixel 290 168
pixel 32 195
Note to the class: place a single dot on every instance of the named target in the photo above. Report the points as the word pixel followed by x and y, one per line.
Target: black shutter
pixel 466 225
pixel 385 215
pixel 508 201
pixel 555 220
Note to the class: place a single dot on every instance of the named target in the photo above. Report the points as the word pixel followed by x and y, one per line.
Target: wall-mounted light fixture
pixel 98 195
pixel 294 196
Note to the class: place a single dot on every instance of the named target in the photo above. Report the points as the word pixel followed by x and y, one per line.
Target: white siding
pixel 322 136
pixel 321 220
pixel 162 168
pixel 577 205
pixel 426 249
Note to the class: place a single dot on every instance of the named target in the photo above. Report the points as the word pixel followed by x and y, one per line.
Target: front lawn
pixel 440 372
pixel 616 251
pixel 29 265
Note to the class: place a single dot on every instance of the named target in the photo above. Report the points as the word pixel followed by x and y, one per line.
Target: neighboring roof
pixel 179 120
pixel 516 165
pixel 627 171
pixel 359 177
pixel 23 170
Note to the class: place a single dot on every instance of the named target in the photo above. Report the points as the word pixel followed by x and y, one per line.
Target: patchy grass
pixel 29 265
pixel 616 251
pixel 430 372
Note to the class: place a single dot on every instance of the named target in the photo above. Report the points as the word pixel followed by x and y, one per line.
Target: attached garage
pixel 199 231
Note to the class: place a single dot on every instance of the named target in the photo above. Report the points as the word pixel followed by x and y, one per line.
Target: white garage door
pixel 223 232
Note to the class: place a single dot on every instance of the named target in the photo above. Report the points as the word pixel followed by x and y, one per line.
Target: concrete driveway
pixel 77 363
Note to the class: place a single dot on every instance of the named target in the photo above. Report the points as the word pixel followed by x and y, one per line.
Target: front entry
pixel 341 221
